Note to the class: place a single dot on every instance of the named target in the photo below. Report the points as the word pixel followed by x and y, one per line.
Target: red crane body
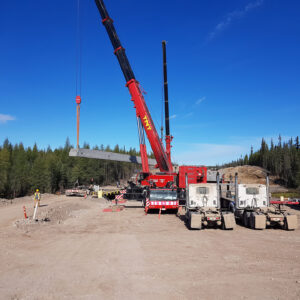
pixel 142 112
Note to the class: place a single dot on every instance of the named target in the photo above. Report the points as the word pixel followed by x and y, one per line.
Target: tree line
pixel 22 170
pixel 281 159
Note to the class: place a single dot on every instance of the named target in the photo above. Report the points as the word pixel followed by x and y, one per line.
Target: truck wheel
pixel 223 222
pixel 189 224
pixel 245 219
pixel 285 225
pixel 252 221
pixel 188 220
pixel 223 225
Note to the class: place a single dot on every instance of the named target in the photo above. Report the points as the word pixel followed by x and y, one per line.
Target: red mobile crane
pixel 159 185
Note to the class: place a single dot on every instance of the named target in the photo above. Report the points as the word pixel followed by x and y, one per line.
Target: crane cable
pixel 78 69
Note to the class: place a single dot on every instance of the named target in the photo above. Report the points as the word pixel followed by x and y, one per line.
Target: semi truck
pixel 254 208
pixel 203 207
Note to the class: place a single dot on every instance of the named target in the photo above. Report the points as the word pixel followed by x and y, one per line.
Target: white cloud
pixel 200 100
pixel 172 117
pixel 234 15
pixel 6 118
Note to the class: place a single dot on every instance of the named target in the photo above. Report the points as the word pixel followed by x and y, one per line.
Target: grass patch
pixel 292 194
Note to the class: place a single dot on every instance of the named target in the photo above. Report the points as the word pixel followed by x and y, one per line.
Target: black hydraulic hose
pixel 119 50
pixel 167 118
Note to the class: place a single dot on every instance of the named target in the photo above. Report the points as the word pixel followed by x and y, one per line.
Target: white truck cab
pixel 203 207
pixel 252 195
pixel 253 209
pixel 203 195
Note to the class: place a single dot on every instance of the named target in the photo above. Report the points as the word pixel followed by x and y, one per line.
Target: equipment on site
pixel 79 191
pixel 106 155
pixel 255 210
pixel 203 207
pixel 167 180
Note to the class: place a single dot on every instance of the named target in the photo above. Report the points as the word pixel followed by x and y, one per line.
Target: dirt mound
pixel 53 215
pixel 247 174
pixel 62 213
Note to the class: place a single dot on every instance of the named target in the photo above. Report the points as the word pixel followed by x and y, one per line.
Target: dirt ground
pixel 76 251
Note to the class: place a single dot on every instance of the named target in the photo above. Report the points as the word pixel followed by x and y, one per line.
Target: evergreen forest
pixel 22 170
pixel 281 159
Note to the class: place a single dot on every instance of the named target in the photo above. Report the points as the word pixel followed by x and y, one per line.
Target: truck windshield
pixel 203 190
pixel 163 195
pixel 252 191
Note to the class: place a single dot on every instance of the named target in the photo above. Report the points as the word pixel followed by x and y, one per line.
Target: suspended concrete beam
pixel 88 153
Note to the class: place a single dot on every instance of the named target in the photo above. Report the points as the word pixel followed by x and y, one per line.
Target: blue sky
pixel 233 72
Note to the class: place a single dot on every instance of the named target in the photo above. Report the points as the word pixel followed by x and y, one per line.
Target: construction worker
pixel 37 197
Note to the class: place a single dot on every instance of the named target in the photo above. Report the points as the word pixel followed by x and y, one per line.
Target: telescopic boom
pixel 142 111
pixel 166 94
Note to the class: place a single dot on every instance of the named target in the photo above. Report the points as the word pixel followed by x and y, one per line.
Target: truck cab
pixel 203 207
pixel 253 208
pixel 252 195
pixel 203 195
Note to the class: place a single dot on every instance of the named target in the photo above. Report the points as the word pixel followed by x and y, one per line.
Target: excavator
pixel 165 189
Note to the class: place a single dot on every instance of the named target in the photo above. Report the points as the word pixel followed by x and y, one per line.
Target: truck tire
pixel 285 225
pixel 223 225
pixel 252 220
pixel 188 220
pixel 223 222
pixel 189 223
pixel 245 219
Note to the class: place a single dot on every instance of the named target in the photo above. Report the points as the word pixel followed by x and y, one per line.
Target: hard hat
pixel 37 190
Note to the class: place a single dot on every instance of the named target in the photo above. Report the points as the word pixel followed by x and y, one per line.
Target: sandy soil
pixel 80 252
pixel 252 174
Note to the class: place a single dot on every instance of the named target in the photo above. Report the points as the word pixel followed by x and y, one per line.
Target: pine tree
pixel 297 143
pixel 5 166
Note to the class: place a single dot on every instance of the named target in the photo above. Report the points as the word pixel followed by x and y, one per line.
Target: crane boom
pixel 166 95
pixel 133 85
